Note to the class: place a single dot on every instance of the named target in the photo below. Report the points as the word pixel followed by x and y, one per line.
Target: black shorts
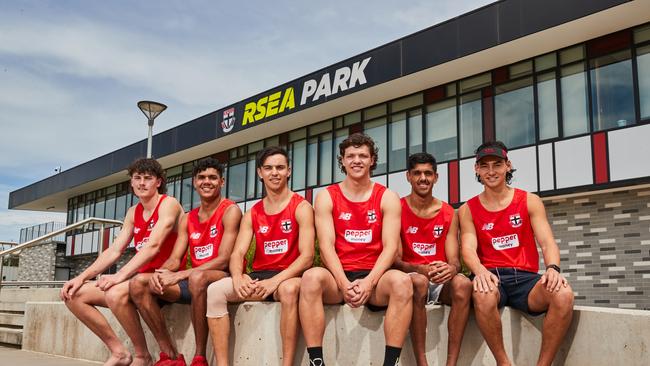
pixel 185 298
pixel 358 275
pixel 515 286
pixel 264 275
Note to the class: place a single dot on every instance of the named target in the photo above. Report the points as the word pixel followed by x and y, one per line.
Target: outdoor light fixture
pixel 151 110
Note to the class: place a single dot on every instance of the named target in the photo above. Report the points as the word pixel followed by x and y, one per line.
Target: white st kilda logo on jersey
pixel 285 225
pixel 412 230
pixel 151 224
pixel 488 226
pixel 213 231
pixel 263 229
pixel 345 216
pixel 372 216
pixel 515 220
pixel 437 231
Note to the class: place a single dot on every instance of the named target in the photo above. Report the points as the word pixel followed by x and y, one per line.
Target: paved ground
pixel 13 356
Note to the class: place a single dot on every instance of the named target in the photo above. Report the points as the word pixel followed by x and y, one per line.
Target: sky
pixel 71 72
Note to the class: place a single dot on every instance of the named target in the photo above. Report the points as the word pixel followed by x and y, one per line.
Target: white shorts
pixel 433 293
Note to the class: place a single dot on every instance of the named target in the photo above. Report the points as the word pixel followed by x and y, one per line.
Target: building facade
pixel 566 85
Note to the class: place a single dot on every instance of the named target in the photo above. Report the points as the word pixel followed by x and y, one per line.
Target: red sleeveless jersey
pixel 204 238
pixel 357 226
pixel 276 236
pixel 142 230
pixel 505 237
pixel 423 240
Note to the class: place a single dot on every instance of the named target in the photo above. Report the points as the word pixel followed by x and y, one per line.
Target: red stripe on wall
pixel 454 191
pixel 601 171
pixel 488 116
pixel 107 237
pixel 72 245
pixel 309 195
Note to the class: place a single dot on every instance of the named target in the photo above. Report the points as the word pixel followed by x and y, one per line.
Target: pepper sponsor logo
pixel 204 251
pixel 424 249
pixel 358 236
pixel 505 242
pixel 276 246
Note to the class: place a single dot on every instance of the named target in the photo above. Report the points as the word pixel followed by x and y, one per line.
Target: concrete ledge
pixel 597 336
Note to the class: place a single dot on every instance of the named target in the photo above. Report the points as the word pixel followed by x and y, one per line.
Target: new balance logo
pixel 195 236
pixel 345 216
pixel 412 230
pixel 263 229
pixel 488 226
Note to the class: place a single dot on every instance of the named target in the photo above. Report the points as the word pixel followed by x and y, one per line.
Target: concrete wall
pixel 597 336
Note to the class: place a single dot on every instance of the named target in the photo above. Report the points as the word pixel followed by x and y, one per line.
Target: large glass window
pixel 397 146
pixel 99 208
pixel 377 130
pixel 643 70
pixel 236 179
pixel 120 207
pixel 110 207
pixel 442 140
pixel 415 131
pixel 325 159
pixel 340 136
pixel 471 123
pixel 251 178
pixel 547 106
pixel 298 164
pixel 612 92
pixel 312 162
pixel 573 85
pixel 186 196
pixel 514 120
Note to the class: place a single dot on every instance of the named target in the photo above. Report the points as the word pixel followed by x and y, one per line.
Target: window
pixel 377 130
pixel 325 159
pixel 397 146
pixel 110 207
pixel 547 106
pixel 415 131
pixel 186 195
pixel 312 162
pixel 612 92
pixel 298 164
pixel 99 208
pixel 236 179
pixel 120 207
pixel 251 177
pixel 514 120
pixel 643 69
pixel 441 130
pixel 471 123
pixel 573 85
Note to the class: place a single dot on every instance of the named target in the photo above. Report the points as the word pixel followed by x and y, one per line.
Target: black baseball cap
pixel 491 151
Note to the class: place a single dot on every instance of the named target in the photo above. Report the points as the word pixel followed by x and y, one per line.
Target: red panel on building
pixel 106 239
pixel 488 115
pixel 434 94
pixel 454 190
pixel 601 166
pixel 309 193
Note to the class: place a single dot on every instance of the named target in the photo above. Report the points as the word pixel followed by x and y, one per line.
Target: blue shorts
pixel 514 287
pixel 359 275
pixel 264 275
pixel 185 298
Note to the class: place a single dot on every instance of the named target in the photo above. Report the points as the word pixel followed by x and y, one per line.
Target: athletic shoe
pixel 164 360
pixel 199 361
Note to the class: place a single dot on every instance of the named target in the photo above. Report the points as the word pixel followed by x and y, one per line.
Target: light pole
pixel 151 110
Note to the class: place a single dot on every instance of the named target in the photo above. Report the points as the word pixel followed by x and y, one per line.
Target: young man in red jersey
pixel 210 231
pixel 499 228
pixel 282 224
pixel 430 254
pixel 358 223
pixel 153 225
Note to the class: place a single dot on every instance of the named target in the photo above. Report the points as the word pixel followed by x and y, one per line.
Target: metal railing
pixel 17 248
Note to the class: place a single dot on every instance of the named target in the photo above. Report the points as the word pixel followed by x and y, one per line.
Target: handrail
pixel 33 242
pixel 32 283
pixel 41 239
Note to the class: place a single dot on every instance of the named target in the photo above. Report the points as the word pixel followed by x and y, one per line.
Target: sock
pixel 315 356
pixel 391 358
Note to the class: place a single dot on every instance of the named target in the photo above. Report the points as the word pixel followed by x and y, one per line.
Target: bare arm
pixel 544 235
pixel 406 266
pixel 484 280
pixel 173 263
pixel 445 271
pixel 242 243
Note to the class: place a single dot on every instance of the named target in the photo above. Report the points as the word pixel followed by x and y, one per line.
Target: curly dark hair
pixel 421 158
pixel 149 166
pixel 358 139
pixel 207 163
pixel 496 145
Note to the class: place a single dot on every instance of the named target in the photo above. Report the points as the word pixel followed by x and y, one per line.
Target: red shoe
pixel 179 361
pixel 164 360
pixel 199 361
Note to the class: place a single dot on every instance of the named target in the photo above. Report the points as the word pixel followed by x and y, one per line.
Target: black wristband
pixel 555 267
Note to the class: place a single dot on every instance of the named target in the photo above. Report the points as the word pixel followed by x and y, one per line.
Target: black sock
pixel 391 358
pixel 315 356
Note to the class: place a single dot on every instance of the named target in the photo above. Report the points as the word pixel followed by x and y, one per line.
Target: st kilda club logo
pixel 228 120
